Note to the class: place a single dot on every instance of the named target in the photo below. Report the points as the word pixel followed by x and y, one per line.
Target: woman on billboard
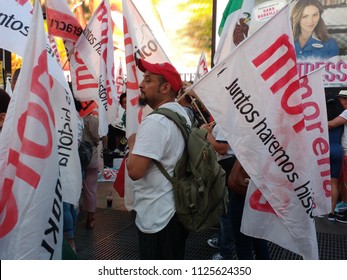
pixel 310 32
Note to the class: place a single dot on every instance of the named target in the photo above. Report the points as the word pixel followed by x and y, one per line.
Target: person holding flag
pixel 197 114
pixel 334 109
pixel 339 209
pixel 246 247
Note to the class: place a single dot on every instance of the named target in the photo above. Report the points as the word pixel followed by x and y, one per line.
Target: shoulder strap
pixel 163 170
pixel 181 122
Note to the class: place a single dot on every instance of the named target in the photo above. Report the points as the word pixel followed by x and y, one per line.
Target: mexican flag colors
pixel 234 26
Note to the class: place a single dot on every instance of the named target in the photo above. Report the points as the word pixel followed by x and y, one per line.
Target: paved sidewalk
pixel 115 236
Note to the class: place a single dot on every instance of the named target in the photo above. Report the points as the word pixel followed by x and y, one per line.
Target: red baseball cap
pixel 165 69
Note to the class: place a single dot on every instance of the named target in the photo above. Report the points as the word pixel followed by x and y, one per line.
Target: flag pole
pixel 193 102
pixel 214 27
pixel 198 109
pixel 69 56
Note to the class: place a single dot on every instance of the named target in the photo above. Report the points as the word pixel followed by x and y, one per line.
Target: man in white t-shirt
pixel 340 211
pixel 161 235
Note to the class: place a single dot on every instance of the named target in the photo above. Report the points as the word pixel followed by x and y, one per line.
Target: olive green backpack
pixel 198 181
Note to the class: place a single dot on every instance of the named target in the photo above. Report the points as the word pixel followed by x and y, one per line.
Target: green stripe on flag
pixel 231 7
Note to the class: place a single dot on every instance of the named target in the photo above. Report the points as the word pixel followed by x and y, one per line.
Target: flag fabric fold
pixel 269 222
pixel 31 192
pixel 95 48
pixel 63 23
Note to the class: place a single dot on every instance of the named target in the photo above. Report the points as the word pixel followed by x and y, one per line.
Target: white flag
pixel 202 67
pixel 31 193
pixel 256 97
pixel 85 86
pixel 95 48
pixel 17 15
pixel 139 42
pixel 61 21
pixel 258 212
pixel 66 119
pixel 15 39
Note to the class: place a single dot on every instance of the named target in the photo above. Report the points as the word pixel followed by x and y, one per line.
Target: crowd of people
pixel 161 234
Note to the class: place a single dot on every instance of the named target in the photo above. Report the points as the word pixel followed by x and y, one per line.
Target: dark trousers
pixel 246 247
pixel 167 244
pixel 226 235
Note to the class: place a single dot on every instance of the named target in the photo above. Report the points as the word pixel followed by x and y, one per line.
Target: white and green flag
pixel 234 27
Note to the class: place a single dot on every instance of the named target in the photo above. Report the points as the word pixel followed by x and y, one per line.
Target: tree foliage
pixel 198 31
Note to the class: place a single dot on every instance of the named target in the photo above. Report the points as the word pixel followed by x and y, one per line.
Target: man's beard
pixel 142 101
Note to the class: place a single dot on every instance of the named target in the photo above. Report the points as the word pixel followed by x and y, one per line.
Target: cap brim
pixel 145 66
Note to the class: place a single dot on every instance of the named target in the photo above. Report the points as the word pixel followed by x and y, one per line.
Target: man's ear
pixel 166 88
pixel 2 118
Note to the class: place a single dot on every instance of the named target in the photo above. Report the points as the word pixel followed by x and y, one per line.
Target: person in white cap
pixel 339 209
pixel 161 235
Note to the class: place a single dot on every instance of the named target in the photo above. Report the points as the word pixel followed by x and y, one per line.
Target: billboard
pixel 320 35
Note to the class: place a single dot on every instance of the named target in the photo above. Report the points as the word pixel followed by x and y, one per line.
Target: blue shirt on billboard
pixel 316 48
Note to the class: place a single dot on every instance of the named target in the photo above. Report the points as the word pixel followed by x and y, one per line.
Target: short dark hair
pixel 4 101
pixel 122 96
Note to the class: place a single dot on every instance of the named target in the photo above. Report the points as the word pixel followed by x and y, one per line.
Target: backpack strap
pixel 181 122
pixel 163 171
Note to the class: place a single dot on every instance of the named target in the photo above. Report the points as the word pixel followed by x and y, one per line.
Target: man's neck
pixel 163 102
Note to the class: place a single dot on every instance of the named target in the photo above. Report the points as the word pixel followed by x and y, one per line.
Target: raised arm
pixel 336 122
